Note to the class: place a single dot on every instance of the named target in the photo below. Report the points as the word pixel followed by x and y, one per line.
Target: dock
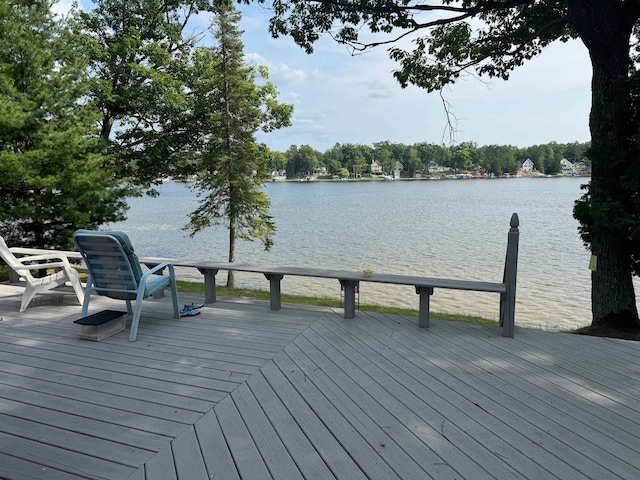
pixel 244 392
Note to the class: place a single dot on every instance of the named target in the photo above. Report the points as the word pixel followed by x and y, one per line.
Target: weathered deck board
pixel 299 446
pixel 406 404
pixel 243 392
pixel 544 425
pixel 355 436
pixel 320 435
pixel 187 456
pixel 273 451
pixel 215 452
pixel 450 395
pixel 245 453
pixel 18 469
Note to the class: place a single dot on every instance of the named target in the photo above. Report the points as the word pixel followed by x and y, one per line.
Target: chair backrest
pixel 113 266
pixel 11 260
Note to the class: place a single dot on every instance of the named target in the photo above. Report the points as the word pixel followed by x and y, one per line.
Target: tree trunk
pixel 107 125
pixel 232 252
pixel 606 31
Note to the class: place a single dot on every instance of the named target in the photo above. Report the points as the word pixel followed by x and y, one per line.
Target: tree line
pixel 350 159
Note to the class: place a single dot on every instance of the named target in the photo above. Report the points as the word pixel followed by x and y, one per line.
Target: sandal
pixel 189 313
pixel 194 306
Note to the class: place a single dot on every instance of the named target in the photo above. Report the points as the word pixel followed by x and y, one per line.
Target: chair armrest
pixel 41 266
pixel 37 258
pixel 153 270
pixel 42 262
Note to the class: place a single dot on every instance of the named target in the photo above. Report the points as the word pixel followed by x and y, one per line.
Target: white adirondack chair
pixel 24 265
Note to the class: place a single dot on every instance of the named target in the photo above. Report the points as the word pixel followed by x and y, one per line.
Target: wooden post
pixel 508 300
pixel 423 313
pixel 274 290
pixel 209 284
pixel 349 297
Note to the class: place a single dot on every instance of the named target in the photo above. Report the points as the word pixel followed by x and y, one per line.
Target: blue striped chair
pixel 115 272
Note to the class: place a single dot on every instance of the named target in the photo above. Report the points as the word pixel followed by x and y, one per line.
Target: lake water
pixel 449 229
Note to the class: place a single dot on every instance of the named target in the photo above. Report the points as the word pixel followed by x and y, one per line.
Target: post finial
pixel 515 221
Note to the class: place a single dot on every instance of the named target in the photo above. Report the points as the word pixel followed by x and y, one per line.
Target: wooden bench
pixel 350 280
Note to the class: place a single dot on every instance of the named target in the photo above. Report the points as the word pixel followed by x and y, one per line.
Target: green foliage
pixel 53 177
pixel 302 161
pixel 496 159
pixel 137 54
pixel 227 107
pixel 277 161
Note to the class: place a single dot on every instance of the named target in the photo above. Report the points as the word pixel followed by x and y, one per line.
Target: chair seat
pixel 58 277
pixel 155 283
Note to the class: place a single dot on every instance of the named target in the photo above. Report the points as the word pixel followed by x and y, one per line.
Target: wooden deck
pixel 242 392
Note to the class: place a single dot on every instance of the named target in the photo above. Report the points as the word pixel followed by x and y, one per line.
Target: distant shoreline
pixel 414 179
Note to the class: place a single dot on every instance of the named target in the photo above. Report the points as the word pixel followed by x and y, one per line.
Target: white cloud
pixel 279 71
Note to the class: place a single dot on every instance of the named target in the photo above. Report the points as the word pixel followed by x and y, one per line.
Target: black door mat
pixel 99 318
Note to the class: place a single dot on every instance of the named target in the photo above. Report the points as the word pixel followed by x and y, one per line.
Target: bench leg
pixel 349 297
pixel 423 315
pixel 209 284
pixel 274 290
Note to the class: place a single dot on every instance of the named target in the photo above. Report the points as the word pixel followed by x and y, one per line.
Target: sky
pixel 341 98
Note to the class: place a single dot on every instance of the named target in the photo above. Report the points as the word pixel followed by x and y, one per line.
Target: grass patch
pixel 598 331
pixel 197 288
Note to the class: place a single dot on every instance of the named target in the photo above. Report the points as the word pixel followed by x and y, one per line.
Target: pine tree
pixel 52 176
pixel 229 107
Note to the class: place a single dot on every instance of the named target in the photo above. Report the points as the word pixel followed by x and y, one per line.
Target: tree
pixel 302 161
pixel 277 161
pixel 499 159
pixel 53 178
pixel 411 161
pixel 230 107
pixel 138 53
pixel 493 38
pixel 353 159
pixel 332 159
pixel 384 156
pixel 461 158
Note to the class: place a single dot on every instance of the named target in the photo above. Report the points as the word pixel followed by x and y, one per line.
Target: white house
pixel 376 169
pixel 527 165
pixel 435 168
pixel 567 167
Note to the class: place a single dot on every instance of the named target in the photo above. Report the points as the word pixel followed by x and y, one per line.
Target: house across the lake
pixel 567 167
pixel 527 165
